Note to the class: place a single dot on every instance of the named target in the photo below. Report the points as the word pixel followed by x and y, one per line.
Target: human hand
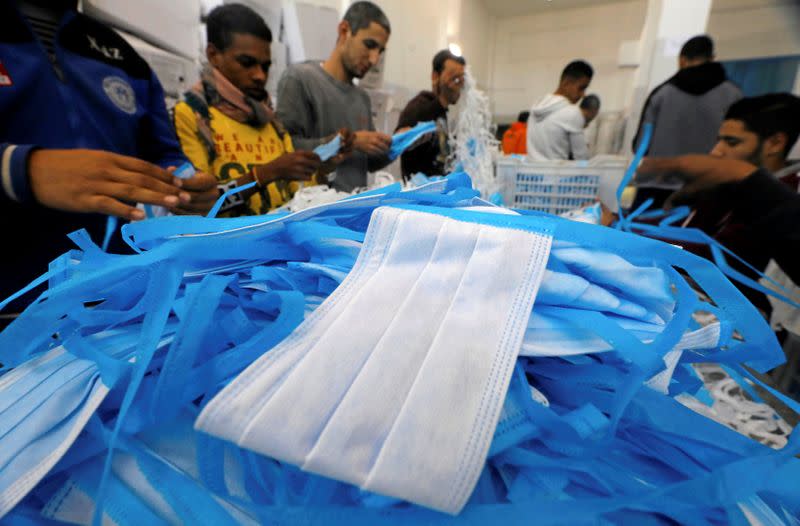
pixel 345 151
pixel 702 173
pixel 95 181
pixel 203 193
pixel 348 141
pixel 295 166
pixel 372 143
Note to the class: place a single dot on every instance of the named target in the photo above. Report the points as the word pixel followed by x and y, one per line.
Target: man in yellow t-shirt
pixel 226 125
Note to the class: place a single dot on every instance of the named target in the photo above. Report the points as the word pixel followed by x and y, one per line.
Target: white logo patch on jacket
pixel 121 94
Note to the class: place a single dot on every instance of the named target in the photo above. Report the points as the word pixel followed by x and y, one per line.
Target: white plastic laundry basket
pixel 556 186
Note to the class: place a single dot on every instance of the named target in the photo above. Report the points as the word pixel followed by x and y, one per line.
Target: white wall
pixel 420 28
pixel 339 5
pixel 530 52
pixel 755 28
pixel 476 36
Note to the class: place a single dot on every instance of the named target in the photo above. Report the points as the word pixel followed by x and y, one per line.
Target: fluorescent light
pixel 455 49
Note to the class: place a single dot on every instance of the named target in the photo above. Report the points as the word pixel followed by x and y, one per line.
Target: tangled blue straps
pixel 644 144
pixel 666 230
pixel 580 438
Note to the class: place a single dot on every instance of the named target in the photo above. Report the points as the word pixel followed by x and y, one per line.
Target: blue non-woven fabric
pixel 404 140
pixel 583 439
pixel 329 149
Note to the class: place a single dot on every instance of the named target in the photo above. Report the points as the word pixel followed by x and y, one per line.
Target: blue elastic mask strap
pixel 163 287
pixel 718 250
pixel 794 405
pixel 676 215
pixel 221 201
pixel 187 344
pixel 224 366
pixel 625 222
pixel 29 287
pixel 211 463
pixel 111 227
pixel 647 358
pixel 637 158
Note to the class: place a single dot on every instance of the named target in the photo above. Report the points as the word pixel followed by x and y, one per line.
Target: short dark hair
pixel 590 102
pixel 769 114
pixel 361 14
pixel 523 116
pixel 701 47
pixel 443 56
pixel 577 69
pixel 225 20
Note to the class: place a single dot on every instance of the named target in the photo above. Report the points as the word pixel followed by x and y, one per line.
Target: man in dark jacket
pixel 767 208
pixel 447 79
pixel 759 130
pixel 84 133
pixel 686 112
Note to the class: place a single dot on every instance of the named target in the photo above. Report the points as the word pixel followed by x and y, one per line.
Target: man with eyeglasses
pixel 430 156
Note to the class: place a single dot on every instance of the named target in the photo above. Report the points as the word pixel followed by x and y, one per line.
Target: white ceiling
pixel 503 8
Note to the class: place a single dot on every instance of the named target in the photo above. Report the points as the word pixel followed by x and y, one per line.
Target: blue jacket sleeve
pixel 157 140
pixel 14 172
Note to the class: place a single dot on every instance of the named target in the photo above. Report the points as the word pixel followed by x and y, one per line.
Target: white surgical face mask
pixel 44 405
pixel 371 392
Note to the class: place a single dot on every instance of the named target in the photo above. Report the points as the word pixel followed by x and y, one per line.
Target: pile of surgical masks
pixel 399 357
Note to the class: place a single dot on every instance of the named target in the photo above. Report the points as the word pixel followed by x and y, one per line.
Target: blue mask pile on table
pixel 153 385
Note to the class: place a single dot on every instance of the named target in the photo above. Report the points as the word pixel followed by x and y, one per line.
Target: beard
pixel 353 70
pixel 449 94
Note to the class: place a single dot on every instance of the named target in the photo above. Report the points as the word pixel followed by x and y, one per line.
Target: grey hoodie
pixel 555 130
pixel 686 113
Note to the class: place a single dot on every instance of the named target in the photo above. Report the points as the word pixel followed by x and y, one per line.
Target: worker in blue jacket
pixel 84 133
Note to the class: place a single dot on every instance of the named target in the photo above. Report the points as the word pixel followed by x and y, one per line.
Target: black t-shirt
pixel 429 157
pixel 757 220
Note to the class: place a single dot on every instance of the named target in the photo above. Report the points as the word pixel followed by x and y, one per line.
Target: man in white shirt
pixel 555 126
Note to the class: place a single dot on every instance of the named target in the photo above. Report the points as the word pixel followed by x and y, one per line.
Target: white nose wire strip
pixel 397 381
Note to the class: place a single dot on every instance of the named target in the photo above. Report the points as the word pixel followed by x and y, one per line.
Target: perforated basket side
pixel 552 186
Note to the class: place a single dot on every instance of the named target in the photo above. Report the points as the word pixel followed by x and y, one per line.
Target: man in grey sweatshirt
pixel 686 112
pixel 316 100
